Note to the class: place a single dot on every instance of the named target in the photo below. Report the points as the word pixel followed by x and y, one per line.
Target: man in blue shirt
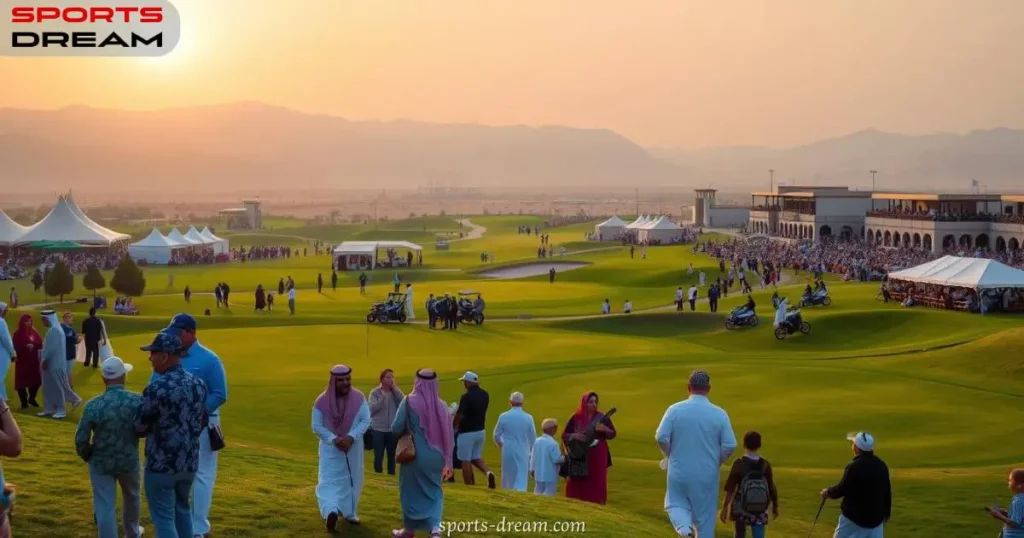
pixel 71 337
pixel 173 419
pixel 204 364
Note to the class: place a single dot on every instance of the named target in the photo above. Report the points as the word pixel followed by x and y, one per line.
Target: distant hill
pixel 942 161
pixel 255 146
pixel 252 146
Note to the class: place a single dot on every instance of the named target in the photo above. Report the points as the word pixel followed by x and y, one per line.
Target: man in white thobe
pixel 702 277
pixel 697 438
pixel 340 418
pixel 410 312
pixel 56 389
pixel 515 433
pixel 545 460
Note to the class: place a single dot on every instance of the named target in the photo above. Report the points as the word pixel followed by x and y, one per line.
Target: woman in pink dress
pixel 594 487
pixel 28 373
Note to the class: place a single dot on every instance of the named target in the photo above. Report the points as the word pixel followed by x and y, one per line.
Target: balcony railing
pixel 947 217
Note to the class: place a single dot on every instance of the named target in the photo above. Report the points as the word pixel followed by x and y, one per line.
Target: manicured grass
pixel 940 390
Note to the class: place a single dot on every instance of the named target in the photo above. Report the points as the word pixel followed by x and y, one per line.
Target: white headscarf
pixel 51 316
pixel 780 313
pixel 3 307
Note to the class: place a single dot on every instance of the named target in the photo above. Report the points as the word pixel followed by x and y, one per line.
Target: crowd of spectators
pixel 949 216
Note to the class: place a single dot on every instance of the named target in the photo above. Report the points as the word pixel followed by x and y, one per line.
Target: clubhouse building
pixel 929 221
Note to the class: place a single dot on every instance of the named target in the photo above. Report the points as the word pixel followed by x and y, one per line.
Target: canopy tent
pixel 193 235
pixel 660 230
pixel 180 240
pixel 116 236
pixel 62 223
pixel 155 248
pixel 355 255
pixel 220 246
pixel 610 230
pixel 639 222
pixel 974 273
pixel 55 245
pixel 10 231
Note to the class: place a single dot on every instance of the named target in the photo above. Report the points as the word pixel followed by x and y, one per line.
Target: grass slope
pixel 940 390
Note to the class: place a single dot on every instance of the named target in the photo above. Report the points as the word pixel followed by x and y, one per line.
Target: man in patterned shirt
pixel 113 451
pixel 172 417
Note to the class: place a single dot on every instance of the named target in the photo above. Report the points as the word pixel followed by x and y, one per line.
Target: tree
pixel 128 278
pixel 37 279
pixel 59 281
pixel 93 279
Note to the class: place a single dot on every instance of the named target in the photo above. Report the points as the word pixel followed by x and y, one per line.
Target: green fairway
pixel 941 391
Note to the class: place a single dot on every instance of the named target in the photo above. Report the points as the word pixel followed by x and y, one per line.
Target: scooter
pixel 817 298
pixel 741 317
pixel 791 324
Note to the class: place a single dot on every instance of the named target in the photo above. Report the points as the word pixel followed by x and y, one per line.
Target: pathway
pixel 475 231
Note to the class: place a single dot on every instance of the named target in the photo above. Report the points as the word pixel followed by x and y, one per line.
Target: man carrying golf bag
pixel 865 490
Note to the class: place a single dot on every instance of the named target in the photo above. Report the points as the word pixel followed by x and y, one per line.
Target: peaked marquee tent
pixel 611 229
pixel 661 229
pixel 180 240
pixel 639 222
pixel 10 231
pixel 220 246
pixel 974 273
pixel 155 248
pixel 352 255
pixel 63 223
pixel 193 235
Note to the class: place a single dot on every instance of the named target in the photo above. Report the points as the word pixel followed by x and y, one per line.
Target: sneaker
pixel 33 403
pixel 59 416
pixel 352 520
pixel 43 414
pixel 332 521
pixel 491 482
pixel 77 404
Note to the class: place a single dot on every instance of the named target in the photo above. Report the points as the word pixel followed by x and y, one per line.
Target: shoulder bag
pixel 405 450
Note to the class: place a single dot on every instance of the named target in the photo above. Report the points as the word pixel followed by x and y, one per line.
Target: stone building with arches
pixel 809 213
pixel 944 222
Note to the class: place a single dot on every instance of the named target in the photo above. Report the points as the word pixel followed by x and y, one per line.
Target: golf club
pixel 820 508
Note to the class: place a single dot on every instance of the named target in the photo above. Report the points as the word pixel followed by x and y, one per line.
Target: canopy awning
pixel 613 222
pixel 362 247
pixel 977 273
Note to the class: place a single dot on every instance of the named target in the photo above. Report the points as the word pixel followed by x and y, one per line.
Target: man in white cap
pixel 56 388
pixel 107 441
pixel 545 459
pixel 7 353
pixel 697 438
pixel 865 490
pixel 470 423
pixel 515 433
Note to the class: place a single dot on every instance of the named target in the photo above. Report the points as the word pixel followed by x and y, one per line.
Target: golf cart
pixel 471 307
pixel 391 309
pixel 788 322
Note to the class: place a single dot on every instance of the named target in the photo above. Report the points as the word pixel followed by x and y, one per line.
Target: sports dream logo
pixel 89 28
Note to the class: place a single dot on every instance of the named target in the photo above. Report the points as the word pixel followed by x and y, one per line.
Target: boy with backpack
pixel 749 490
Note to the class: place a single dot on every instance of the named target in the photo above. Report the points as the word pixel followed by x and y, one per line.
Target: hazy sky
pixel 682 73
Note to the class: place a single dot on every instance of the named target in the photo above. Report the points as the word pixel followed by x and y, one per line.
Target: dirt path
pixel 475 231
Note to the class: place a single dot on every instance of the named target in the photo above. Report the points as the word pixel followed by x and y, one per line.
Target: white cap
pixel 862 440
pixel 114 368
pixel 516 398
pixel 470 376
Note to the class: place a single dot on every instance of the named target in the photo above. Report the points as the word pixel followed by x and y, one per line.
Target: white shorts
pixel 470 446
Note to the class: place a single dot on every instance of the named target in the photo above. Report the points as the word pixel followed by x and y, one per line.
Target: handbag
pixel 368 439
pixel 405 450
pixel 216 437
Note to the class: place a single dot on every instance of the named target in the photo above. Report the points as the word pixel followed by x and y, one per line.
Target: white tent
pixel 220 246
pixel 180 240
pixel 193 235
pixel 975 273
pixel 352 255
pixel 640 221
pixel 62 223
pixel 610 230
pixel 155 248
pixel 10 231
pixel 116 236
pixel 659 230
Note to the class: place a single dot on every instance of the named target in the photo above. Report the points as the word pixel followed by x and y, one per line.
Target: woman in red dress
pixel 28 374
pixel 593 488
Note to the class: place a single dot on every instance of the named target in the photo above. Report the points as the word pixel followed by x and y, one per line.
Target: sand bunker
pixel 532 269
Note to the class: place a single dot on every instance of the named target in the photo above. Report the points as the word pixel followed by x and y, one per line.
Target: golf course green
pixel 941 391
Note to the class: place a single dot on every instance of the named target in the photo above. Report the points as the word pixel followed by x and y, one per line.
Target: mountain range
pixel 251 146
